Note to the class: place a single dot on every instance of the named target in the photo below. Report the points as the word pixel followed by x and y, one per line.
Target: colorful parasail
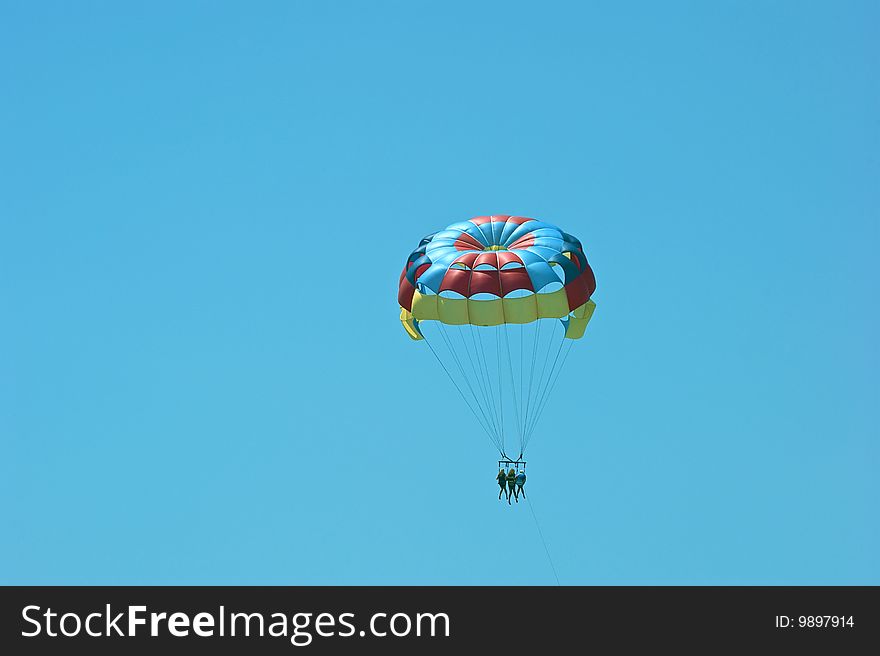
pixel 499 300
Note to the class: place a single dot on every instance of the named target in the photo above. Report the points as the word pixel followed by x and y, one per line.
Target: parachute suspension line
pixel 467 379
pixel 522 389
pixel 479 375
pixel 542 385
pixel 500 385
pixel 468 403
pixel 543 541
pixel 488 386
pixel 513 385
pixel 488 379
pixel 556 379
pixel 551 388
pixel 532 372
pixel 478 378
pixel 546 388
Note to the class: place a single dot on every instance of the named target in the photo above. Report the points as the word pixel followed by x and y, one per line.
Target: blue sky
pixel 205 210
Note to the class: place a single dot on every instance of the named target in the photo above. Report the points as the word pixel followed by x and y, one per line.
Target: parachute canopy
pixel 493 270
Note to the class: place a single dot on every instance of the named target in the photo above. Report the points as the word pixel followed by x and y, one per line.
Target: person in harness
pixel 511 484
pixel 520 480
pixel 502 481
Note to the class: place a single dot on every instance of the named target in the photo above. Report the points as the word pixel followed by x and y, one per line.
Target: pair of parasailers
pixel 512 482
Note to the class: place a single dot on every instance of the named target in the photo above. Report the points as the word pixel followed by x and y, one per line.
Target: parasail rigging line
pixel 513 386
pixel 477 380
pixel 488 377
pixel 543 541
pixel 549 393
pixel 542 386
pixel 464 398
pixel 467 379
pixel 532 374
pixel 479 374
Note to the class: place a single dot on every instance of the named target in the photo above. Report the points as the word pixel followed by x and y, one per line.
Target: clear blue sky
pixel 205 210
